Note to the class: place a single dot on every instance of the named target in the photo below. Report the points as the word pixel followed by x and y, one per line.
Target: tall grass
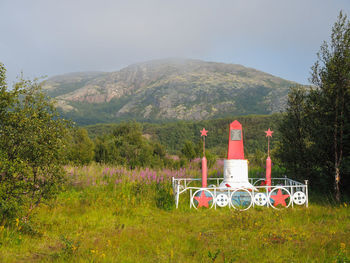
pixel 111 214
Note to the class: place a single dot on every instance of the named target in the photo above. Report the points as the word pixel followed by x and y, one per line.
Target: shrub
pixel 32 147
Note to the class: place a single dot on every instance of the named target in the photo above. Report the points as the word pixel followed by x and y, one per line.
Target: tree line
pixel 173 135
pixel 315 129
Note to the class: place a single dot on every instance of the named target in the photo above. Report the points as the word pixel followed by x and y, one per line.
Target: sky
pixel 51 37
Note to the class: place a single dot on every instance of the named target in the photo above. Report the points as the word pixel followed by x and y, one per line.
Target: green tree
pixel 134 150
pixel 293 145
pixel 188 150
pixel 101 151
pixel 106 150
pixel 316 127
pixel 81 147
pixel 331 76
pixel 32 147
pixel 127 146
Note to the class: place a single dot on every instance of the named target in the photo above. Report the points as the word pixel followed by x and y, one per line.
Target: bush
pixel 81 147
pixel 128 147
pixel 32 147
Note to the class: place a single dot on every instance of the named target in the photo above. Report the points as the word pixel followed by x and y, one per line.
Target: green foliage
pixel 32 147
pixel 294 146
pixel 81 147
pixel 257 158
pixel 105 150
pixel 127 146
pixel 211 158
pixel 173 135
pixel 134 150
pixel 188 151
pixel 213 256
pixel 164 197
pixel 342 257
pixel 316 127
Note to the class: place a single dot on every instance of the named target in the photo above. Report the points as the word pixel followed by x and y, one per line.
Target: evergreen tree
pixel 292 147
pixel 316 126
pixel 331 76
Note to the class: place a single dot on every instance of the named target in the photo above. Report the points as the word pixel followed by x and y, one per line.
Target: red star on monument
pixel 204 132
pixel 203 200
pixel 279 198
pixel 269 133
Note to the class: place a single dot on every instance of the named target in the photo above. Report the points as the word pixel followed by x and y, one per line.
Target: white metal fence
pixel 283 193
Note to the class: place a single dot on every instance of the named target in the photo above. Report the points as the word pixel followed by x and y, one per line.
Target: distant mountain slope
pixel 168 89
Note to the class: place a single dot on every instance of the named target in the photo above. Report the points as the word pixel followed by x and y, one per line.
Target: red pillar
pixel 204 172
pixel 268 171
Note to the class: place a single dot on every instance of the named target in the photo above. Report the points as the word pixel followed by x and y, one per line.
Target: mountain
pixel 169 89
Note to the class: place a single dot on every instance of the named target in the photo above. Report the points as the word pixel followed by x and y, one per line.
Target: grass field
pixel 114 215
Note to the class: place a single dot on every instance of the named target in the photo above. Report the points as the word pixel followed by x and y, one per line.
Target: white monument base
pixel 236 174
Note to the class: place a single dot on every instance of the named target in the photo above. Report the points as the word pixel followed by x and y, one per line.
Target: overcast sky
pixel 50 37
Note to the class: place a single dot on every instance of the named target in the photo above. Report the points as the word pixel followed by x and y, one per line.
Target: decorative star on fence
pixel 279 198
pixel 203 200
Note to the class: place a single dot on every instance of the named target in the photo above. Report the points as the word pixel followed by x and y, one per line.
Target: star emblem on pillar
pixel 279 198
pixel 269 133
pixel 204 132
pixel 203 200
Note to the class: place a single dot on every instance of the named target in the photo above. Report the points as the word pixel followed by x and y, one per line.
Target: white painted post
pixel 174 190
pixel 253 194
pixel 307 193
pixel 214 198
pixel 267 196
pixel 190 198
pixel 177 196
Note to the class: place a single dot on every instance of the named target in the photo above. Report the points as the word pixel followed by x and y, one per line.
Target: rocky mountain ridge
pixel 184 89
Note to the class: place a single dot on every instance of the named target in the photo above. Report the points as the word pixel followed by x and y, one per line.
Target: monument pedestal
pixel 236 174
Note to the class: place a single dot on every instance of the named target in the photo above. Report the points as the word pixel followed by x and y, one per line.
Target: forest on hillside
pixel 173 135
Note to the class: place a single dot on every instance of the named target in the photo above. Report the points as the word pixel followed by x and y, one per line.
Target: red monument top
pixel 235 141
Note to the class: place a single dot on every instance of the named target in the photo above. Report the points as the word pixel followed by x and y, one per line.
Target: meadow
pixel 111 214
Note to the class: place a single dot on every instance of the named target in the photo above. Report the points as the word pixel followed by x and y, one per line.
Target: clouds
pixel 51 37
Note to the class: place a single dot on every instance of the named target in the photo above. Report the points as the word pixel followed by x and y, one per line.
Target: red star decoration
pixel 279 198
pixel 204 132
pixel 203 200
pixel 269 133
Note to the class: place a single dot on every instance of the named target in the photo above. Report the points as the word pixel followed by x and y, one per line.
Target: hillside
pixel 171 89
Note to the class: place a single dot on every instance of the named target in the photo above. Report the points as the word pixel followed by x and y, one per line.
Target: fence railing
pixel 283 192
